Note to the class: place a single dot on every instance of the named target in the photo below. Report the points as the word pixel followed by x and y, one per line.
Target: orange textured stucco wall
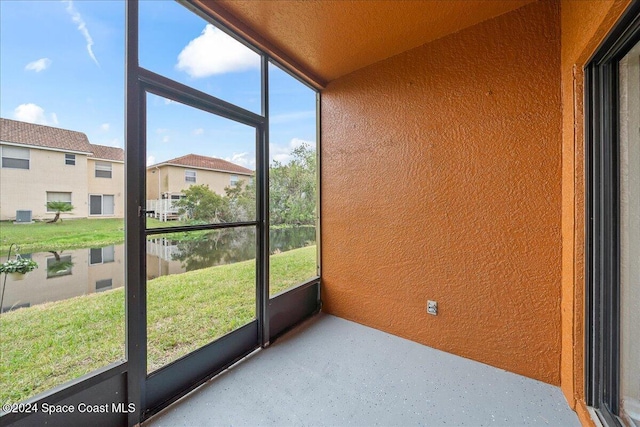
pixel 584 25
pixel 441 180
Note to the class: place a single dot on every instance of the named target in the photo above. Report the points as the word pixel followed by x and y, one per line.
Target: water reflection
pixel 66 274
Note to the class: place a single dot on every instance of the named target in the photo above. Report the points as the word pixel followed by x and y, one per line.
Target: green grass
pixel 68 234
pixel 46 345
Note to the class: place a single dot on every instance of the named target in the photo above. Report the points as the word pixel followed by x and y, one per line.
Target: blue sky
pixel 62 64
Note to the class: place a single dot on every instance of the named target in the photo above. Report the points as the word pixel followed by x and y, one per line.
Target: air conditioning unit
pixel 23 216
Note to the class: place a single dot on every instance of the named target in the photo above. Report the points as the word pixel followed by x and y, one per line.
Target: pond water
pixel 66 274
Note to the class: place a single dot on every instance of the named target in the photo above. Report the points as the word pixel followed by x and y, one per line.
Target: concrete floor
pixel 332 372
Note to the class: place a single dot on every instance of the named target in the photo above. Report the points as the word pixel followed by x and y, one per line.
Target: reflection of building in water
pixel 162 258
pixel 66 274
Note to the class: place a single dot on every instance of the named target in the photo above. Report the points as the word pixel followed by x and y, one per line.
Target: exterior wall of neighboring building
pixel 584 25
pixel 83 277
pixel 441 168
pixel 107 270
pixel 50 171
pixel 172 180
pixel 26 189
pixel 113 186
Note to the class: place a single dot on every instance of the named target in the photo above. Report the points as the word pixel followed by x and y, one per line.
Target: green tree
pixel 292 189
pixel 242 200
pixel 201 204
pixel 58 208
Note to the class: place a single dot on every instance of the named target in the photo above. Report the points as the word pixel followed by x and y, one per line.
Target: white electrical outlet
pixel 432 307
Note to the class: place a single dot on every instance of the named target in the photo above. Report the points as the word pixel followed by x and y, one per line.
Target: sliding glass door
pixel 613 238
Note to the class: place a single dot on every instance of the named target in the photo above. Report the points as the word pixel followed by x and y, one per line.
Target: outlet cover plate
pixel 432 307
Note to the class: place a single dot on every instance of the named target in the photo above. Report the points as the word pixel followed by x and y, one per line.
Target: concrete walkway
pixel 333 372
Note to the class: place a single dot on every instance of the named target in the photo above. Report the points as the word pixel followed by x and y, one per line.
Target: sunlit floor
pixel 332 372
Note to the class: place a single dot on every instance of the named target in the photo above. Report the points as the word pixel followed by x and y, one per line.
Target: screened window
pixel 103 170
pixel 190 176
pixel 234 180
pixel 101 255
pixel 15 157
pixel 104 285
pixel 70 159
pixel 59 266
pixel 54 196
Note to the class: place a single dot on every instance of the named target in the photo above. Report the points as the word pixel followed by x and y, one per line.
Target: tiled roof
pixel 204 162
pixel 60 139
pixel 43 136
pixel 107 153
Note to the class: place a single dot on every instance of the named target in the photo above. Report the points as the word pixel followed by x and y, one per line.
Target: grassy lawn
pixel 49 344
pixel 68 234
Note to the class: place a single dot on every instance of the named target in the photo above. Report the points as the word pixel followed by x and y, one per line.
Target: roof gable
pixel 43 136
pixel 204 162
pixel 17 132
pixel 107 153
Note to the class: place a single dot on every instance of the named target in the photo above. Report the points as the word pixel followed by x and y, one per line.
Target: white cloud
pixel 160 131
pixel 214 52
pixel 282 154
pixel 168 101
pixel 243 159
pixel 105 127
pixel 291 117
pixel 115 142
pixel 33 113
pixel 151 160
pixel 165 138
pixel 198 131
pixel 39 65
pixel 82 27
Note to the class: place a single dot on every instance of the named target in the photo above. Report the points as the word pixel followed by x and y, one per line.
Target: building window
pixel 15 157
pixel 101 204
pixel 59 266
pixel 102 255
pixel 104 285
pixel 234 180
pixel 190 176
pixel 70 159
pixel 55 196
pixel 103 170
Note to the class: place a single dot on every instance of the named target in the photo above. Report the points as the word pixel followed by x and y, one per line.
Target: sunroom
pixel 474 221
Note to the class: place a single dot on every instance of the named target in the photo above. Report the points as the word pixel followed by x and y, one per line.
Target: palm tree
pixel 58 207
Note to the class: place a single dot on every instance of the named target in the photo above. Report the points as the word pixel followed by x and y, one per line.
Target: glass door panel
pixel 200 286
pixel 200 231
pixel 630 237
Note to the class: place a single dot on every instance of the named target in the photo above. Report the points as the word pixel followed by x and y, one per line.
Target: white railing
pixel 163 209
pixel 162 248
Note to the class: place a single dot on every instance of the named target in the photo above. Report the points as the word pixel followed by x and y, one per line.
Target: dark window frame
pixel 65 272
pixel 602 237
pixel 104 285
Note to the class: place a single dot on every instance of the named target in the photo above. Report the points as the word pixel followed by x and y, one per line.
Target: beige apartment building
pixel 167 181
pixel 43 163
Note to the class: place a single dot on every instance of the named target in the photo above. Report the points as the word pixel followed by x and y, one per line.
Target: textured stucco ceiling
pixel 328 39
